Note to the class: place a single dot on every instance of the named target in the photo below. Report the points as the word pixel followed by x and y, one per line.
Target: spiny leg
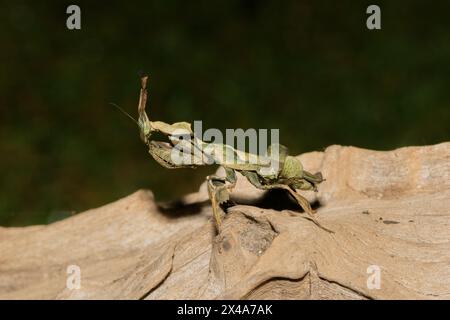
pixel 302 202
pixel 213 199
pixel 219 192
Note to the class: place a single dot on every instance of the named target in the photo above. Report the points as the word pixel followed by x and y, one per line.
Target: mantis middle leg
pixel 219 192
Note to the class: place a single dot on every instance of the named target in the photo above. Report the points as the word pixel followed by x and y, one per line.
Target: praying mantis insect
pixel 288 176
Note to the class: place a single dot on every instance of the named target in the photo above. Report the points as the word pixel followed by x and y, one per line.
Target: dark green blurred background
pixel 310 68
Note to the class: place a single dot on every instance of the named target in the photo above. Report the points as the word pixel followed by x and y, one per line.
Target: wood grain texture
pixel 390 209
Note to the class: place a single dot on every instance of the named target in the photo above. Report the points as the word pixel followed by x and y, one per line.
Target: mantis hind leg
pixel 219 192
pixel 302 201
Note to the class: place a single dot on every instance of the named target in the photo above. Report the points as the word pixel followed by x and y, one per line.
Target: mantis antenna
pixel 124 112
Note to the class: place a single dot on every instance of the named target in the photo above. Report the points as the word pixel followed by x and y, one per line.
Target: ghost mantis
pixel 289 174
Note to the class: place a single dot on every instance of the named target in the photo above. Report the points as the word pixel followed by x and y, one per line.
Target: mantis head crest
pixel 143 120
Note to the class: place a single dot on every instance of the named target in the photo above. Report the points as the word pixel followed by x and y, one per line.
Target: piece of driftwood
pixel 390 212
